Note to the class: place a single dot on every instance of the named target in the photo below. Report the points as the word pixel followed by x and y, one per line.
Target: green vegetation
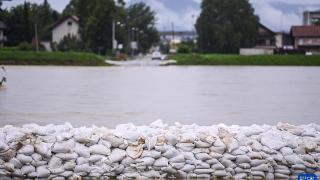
pixel 226 25
pixel 50 58
pixel 262 60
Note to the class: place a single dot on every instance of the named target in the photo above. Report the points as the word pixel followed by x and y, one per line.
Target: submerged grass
pixel 51 58
pixel 259 60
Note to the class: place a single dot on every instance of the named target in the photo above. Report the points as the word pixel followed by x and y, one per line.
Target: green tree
pixel 141 24
pixel 226 25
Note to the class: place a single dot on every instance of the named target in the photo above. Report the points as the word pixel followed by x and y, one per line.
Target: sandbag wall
pixel 159 150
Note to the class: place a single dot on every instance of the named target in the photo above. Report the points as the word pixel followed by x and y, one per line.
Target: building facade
pixel 306 38
pixel 265 38
pixel 311 17
pixel 179 36
pixel 3 38
pixel 66 27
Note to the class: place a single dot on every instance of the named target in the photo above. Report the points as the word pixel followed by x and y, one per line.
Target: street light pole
pixel 113 36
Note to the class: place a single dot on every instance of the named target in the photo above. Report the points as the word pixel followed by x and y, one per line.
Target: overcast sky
pixel 278 15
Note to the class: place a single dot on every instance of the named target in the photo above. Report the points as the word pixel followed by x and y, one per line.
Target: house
pixel 265 42
pixel 311 17
pixel 265 38
pixel 68 26
pixel 306 38
pixel 283 41
pixel 3 38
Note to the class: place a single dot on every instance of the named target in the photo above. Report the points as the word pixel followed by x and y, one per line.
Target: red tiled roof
pixel 306 31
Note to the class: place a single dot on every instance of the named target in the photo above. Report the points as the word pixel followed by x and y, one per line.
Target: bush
pixel 69 43
pixel 25 46
pixel 184 49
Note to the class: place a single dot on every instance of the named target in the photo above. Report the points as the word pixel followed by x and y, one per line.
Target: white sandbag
pixel 203 156
pixel 67 156
pixel 115 141
pixel 57 170
pixel 82 168
pixel 257 162
pixel 220 173
pixel 3 146
pixel 82 160
pixel 161 162
pixel 243 159
pixel 286 151
pixel 255 155
pixel 219 150
pixel 69 165
pixel 152 153
pixel 96 157
pixel 227 163
pixel 16 163
pixel 273 139
pixel 171 138
pixel 38 163
pixel 27 169
pixel 202 165
pixel 177 159
pixel 43 149
pixel 151 174
pixel 14 135
pixel 178 166
pixel 188 137
pixel 24 159
pixel 117 155
pixel 127 161
pixel 293 159
pixel 99 149
pixel 262 167
pixel 258 173
pixel 170 153
pixel 82 150
pixel 163 148
pixel 67 174
pixel 9 167
pixel 203 171
pixel 229 157
pixel 146 161
pixel 238 152
pixel 55 163
pixel 201 150
pixel 188 168
pixel 217 166
pixel 185 146
pixel 63 147
pixel 42 172
pixel 212 161
pixel 134 151
pixel 241 176
pixel 36 157
pixel 245 165
pixel 189 156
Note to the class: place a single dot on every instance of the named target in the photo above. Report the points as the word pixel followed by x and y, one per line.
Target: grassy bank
pixel 50 58
pixel 262 60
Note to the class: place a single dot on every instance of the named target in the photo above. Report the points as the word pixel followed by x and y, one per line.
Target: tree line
pixel 222 27
pixel 133 23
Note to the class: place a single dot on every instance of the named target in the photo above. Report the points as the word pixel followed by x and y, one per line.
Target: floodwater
pixel 107 96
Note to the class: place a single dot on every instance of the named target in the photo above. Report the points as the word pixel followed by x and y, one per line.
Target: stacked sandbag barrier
pixel 160 151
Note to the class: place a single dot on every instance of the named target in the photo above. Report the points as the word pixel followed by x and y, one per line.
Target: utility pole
pixel 114 43
pixel 172 25
pixel 36 36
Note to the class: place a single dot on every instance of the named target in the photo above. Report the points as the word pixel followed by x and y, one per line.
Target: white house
pixel 3 38
pixel 68 26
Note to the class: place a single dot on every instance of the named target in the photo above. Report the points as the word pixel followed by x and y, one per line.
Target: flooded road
pixel 109 96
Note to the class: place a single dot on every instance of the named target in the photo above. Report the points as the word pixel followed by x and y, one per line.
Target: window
pixel 70 23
